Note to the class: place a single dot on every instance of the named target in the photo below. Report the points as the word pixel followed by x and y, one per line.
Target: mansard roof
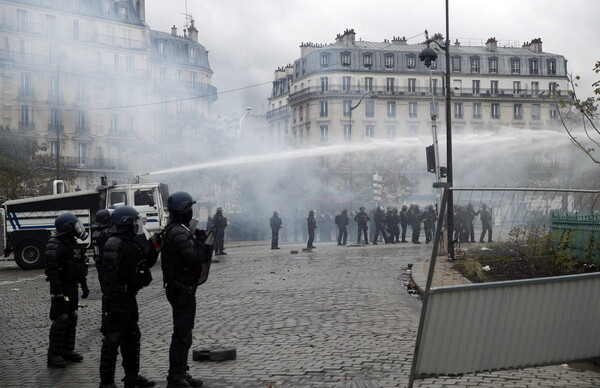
pixel 176 50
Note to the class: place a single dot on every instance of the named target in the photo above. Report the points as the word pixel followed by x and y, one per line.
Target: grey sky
pixel 248 39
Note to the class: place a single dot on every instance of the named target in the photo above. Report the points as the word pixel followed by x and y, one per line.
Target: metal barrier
pixel 578 232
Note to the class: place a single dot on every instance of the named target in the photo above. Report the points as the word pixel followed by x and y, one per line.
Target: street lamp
pixel 239 131
pixel 60 58
pixel 427 56
pixel 351 108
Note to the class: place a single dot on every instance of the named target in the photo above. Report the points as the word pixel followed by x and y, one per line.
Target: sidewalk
pixel 443 276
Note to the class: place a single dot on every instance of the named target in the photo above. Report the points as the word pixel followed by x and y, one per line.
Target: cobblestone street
pixel 336 317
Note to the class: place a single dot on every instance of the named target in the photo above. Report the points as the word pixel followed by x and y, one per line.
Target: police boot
pixel 108 360
pixel 68 353
pixel 174 381
pixel 193 382
pixel 57 332
pixel 137 381
pixel 109 385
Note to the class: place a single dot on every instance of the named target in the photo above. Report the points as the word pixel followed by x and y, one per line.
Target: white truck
pixel 26 224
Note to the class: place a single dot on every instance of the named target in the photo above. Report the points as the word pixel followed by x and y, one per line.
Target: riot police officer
pixel 379 217
pixel 275 223
pixel 404 222
pixel 124 270
pixel 342 221
pixel 65 268
pixel 311 223
pixel 362 220
pixel 221 223
pixel 184 253
pixel 100 230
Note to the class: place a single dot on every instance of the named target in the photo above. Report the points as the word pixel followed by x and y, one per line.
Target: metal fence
pixel 511 207
pixel 579 232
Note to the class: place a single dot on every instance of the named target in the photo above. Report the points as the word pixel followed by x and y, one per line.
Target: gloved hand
pixel 85 291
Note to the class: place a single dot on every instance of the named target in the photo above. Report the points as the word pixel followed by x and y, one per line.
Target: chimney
pixel 535 45
pixel 349 37
pixel 193 32
pixel 491 44
pixel 174 30
pixel 399 40
pixel 140 7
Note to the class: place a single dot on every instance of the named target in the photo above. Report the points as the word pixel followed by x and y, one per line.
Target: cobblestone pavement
pixel 339 316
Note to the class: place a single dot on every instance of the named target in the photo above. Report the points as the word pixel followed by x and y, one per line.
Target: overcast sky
pixel 248 39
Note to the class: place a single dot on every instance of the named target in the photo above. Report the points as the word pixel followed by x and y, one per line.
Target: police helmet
pixel 69 223
pixel 180 202
pixel 404 207
pixel 362 208
pixel 311 213
pixel 379 208
pixel 219 210
pixel 124 216
pixel 103 217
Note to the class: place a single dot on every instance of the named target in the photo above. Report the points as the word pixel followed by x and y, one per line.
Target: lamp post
pixel 239 131
pixel 351 108
pixel 427 56
pixel 61 57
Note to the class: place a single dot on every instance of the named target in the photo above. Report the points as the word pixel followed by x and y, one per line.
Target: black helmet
pixel 362 209
pixel 124 216
pixel 69 223
pixel 103 217
pixel 180 202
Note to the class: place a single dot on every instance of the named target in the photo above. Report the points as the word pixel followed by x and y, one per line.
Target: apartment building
pixel 93 82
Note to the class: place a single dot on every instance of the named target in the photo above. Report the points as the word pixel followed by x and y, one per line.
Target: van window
pixel 141 198
pixel 118 197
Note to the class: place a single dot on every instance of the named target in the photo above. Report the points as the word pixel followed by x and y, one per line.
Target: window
pixel 552 88
pixel 494 87
pixel 456 64
pixel 495 111
pixel 122 11
pixel 391 109
pixel 129 64
pixel 54 118
pixel 50 25
pixel 114 123
pixel 412 85
pixel 118 197
pixel 389 84
pixel 433 85
pixel 389 61
pixel 193 78
pixel 324 132
pixel 347 132
pixel 553 113
pixel 191 55
pixel 82 121
pixel 476 86
pixel 21 20
pixel 392 131
pixel 26 116
pixel 535 111
pixel 515 66
pixel 370 108
pixel 368 60
pixel 412 110
pixel 82 153
pixel 345 59
pixel 458 110
pixel 324 60
pixel 535 88
pixel 410 62
pixel 346 107
pixel 301 113
pixel 142 198
pixel 324 84
pixel 106 6
pixel 518 112
pixel 53 90
pixel 551 66
pixel 81 90
pixel 324 108
pixel 26 89
pixel 346 84
pixel 413 130
pixel 516 87
pixel 369 130
pixel 493 65
pixel 75 29
pixel 475 65
pixel 533 66
pixel 477 110
pixel 368 84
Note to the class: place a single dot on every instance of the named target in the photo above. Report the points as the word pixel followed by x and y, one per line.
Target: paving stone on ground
pixel 339 316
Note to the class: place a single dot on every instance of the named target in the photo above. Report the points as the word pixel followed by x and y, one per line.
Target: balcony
pixel 86 163
pixel 55 127
pixel 26 125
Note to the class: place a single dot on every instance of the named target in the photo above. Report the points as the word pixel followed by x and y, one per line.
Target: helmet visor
pixel 138 226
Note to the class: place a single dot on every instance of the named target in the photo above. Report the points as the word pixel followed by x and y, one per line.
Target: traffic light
pixel 430 153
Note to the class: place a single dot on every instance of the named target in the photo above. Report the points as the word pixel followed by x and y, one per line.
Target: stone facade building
pixel 91 80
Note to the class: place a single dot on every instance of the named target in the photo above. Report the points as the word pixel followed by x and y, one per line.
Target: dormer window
pixel 551 66
pixel 345 59
pixel 123 11
pixel 411 62
pixel 534 66
pixel 325 60
pixel 368 60
pixel 389 61
pixel 515 66
pixel 475 65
